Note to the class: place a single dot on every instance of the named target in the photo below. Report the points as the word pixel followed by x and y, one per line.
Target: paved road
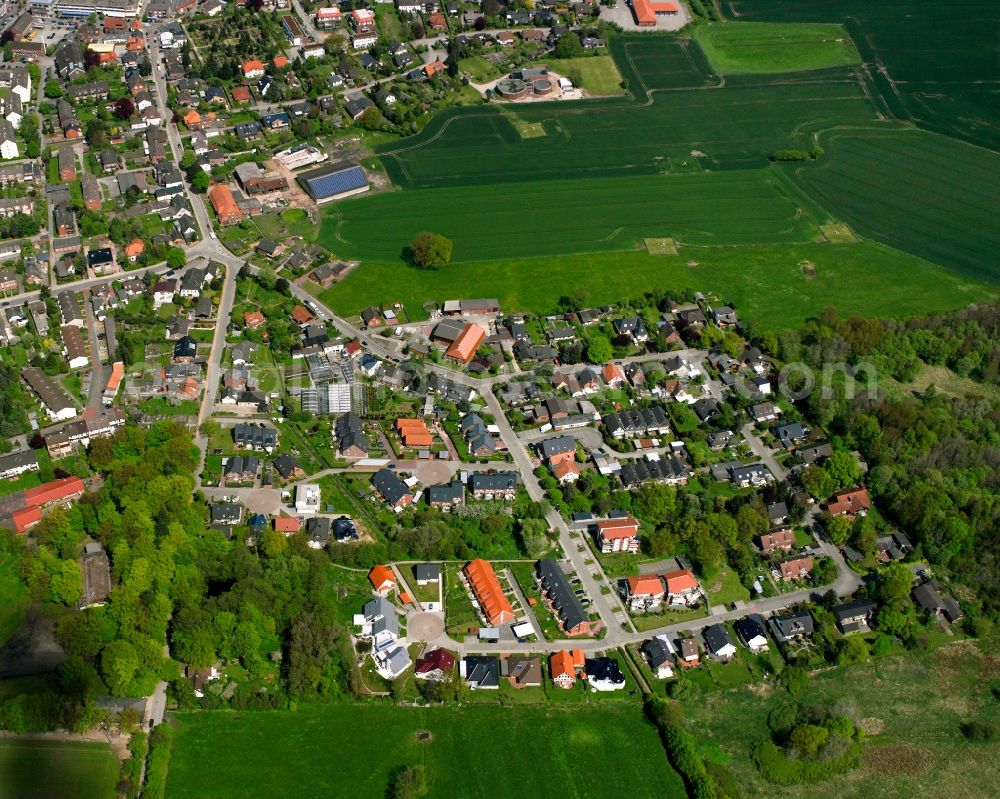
pixel 94 396
pixel 766 456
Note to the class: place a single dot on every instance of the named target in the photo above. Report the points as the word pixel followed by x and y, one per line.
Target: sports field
pixel 771 47
pixel 774 287
pixel 56 770
pixel 935 64
pixel 735 126
pixel 921 192
pixel 475 752
pixel 561 217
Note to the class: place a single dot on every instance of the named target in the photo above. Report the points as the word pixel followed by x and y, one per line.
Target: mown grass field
pixel 349 751
pixel 920 192
pixel 917 701
pixel 940 63
pixel 566 216
pixel 56 770
pixel 14 600
pixel 773 286
pixel 597 74
pixel 739 125
pixel 773 47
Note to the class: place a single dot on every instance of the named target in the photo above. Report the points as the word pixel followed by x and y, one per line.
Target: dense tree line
pixel 934 457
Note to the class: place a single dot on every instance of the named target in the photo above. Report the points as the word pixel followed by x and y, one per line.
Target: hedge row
pixel 779 768
pixel 159 762
pixel 131 772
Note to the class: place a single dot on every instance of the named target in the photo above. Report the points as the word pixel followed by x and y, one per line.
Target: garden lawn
pixel 475 751
pixel 768 47
pixel 773 287
pixel 915 701
pixel 14 600
pixel 597 74
pixel 479 69
pixel 56 770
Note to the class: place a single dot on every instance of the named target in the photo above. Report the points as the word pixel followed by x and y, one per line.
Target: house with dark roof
pixel 566 605
pixel 718 642
pixel 480 672
pixel 659 654
pixel 604 674
pixel 791 626
pixel 493 485
pixel 856 616
pixel 752 632
pixel 446 495
pixel 394 492
pixel 930 597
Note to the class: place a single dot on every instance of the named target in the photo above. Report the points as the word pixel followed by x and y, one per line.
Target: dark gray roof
pixel 493 481
pixel 427 571
pixel 389 486
pixel 567 604
pixel 482 670
pixel 716 637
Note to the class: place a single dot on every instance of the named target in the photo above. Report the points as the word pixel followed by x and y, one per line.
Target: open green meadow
pixel 564 216
pixel 348 751
pixel 935 64
pixel 921 192
pixel 597 74
pixel 912 706
pixel 774 287
pixel 770 47
pixel 56 770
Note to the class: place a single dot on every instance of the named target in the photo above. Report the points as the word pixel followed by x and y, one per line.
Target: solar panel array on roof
pixel 335 183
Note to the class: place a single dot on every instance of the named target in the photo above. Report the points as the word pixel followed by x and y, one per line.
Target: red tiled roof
pixel 618 528
pixel 850 501
pixel 380 575
pixel 646 10
pixel 435 659
pixel 286 524
pixel 796 568
pixel 25 518
pixel 301 315
pixel 612 372
pixel 486 587
pixel 645 585
pixel 224 202
pixel 253 65
pixel 53 491
pixel 468 341
pixel 561 664
pixel 777 539
pixel 241 94
pixel 680 581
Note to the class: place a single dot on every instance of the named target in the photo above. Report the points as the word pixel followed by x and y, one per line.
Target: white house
pixel 307 497
pixel 8 142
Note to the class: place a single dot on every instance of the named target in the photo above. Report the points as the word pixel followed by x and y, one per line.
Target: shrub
pixel 979 730
pixel 429 250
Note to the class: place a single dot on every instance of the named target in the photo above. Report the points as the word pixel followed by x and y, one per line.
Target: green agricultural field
pixel 774 287
pixel 738 125
pixel 56 770
pixel 597 74
pixel 560 217
pixel 349 751
pixel 912 706
pixel 772 47
pixel 920 192
pixel 936 65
